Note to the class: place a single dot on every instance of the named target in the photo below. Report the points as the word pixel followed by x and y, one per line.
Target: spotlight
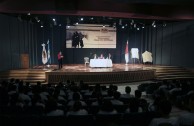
pixel 76 23
pixel 28 14
pixel 120 21
pixel 91 18
pixel 82 19
pixel 68 26
pixel 154 24
pixel 37 19
pixel 53 19
pixel 138 29
pixel 134 25
pixel 114 25
pixel 132 22
pixel 123 27
pixel 19 18
pixel 164 24
pixel 41 24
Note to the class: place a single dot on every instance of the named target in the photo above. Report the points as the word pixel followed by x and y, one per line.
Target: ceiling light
pixel 120 21
pixel 132 22
pixel 134 25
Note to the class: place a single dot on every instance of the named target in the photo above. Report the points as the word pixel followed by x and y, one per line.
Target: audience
pixel 187 119
pixel 107 108
pixel 77 109
pixel 69 99
pixel 165 108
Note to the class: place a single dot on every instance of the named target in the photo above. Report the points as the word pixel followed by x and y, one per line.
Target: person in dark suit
pixel 60 59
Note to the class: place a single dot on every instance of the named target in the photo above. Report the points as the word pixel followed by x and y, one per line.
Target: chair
pixel 86 60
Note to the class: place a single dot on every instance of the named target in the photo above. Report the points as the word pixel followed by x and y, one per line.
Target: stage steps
pixel 173 72
pixel 27 75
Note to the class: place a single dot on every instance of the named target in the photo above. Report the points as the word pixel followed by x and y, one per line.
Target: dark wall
pixel 16 37
pixel 171 45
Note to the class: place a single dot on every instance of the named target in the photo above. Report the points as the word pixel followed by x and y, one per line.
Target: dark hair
pixel 128 89
pixel 76 96
pixel 77 106
pixel 107 106
pixel 137 93
pixel 165 107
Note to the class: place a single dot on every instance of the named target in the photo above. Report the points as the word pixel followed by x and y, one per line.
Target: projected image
pixel 90 36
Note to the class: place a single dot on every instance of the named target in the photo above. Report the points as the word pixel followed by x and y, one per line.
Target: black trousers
pixel 60 63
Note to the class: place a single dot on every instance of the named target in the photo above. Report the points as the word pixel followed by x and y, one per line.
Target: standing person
pixel 60 58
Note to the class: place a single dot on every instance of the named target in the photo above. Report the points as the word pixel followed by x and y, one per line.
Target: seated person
pixel 127 94
pixel 187 118
pixel 165 108
pixel 116 100
pixel 95 56
pixel 77 109
pixel 52 110
pixel 134 106
pixel 107 108
pixel 109 56
pixel 101 56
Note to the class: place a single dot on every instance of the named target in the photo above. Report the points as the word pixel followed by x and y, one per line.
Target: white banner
pixel 90 36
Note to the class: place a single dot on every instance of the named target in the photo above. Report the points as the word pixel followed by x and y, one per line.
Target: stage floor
pixel 82 68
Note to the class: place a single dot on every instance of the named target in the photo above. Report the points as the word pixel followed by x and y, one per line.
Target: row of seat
pixel 132 119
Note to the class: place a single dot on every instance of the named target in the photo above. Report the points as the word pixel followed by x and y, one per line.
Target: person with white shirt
pixel 187 119
pixel 165 108
pixel 77 109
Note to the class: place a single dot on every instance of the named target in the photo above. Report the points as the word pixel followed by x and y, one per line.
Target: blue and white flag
pixel 44 54
pixel 48 53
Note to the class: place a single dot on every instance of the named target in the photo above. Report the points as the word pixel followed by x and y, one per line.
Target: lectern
pixel 25 61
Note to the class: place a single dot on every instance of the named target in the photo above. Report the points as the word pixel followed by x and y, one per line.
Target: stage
pixel 119 73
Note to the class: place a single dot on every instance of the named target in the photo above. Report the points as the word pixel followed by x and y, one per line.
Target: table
pixel 100 63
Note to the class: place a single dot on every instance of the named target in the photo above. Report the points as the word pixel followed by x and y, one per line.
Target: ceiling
pixel 143 9
pixel 103 11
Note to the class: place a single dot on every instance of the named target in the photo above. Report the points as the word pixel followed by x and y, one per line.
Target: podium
pixel 25 61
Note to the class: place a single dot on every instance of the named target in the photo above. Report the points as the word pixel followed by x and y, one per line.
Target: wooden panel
pixel 25 61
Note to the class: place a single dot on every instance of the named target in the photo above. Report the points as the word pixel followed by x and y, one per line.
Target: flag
pixel 44 54
pixel 126 53
pixel 48 53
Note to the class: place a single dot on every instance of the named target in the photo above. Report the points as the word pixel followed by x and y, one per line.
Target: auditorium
pixel 97 62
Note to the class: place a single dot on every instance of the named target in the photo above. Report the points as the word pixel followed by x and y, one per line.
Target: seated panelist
pixel 101 56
